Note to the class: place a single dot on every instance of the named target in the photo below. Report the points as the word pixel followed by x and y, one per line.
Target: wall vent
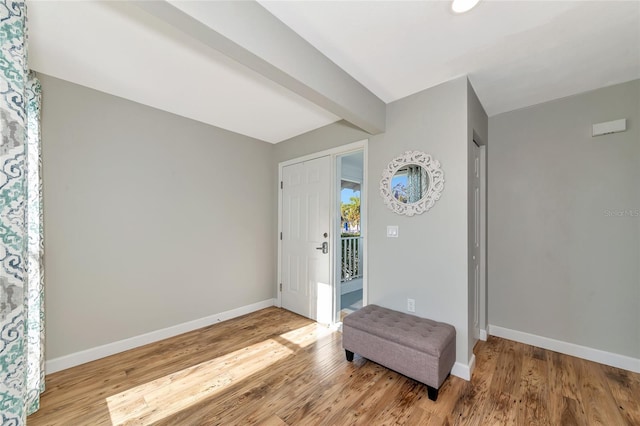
pixel 609 127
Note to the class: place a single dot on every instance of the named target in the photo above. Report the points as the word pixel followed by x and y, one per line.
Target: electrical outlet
pixel 411 305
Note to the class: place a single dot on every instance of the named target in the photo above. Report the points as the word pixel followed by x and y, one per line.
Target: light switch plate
pixel 392 231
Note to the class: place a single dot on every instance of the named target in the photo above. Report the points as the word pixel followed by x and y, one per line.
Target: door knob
pixel 324 248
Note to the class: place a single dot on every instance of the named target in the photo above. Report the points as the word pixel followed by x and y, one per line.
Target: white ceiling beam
pixel 249 34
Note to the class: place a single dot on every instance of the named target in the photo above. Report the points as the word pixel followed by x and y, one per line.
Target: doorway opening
pixel 351 247
pixel 477 241
pixel 322 240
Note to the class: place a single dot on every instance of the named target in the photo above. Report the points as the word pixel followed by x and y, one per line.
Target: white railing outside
pixel 351 255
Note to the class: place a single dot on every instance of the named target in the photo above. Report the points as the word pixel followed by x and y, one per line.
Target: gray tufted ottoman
pixel 416 347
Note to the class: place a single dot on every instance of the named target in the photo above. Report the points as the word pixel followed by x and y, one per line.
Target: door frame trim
pixel 362 145
pixel 484 306
pixel 482 297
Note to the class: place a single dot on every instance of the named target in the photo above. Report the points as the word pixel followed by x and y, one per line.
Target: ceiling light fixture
pixel 462 6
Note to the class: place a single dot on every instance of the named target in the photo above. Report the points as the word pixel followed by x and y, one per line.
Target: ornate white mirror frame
pixel 429 197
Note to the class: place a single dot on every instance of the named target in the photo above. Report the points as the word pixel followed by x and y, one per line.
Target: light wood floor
pixel 273 367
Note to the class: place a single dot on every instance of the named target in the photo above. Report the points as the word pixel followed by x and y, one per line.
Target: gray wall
pixel 327 137
pixel 150 218
pixel 428 262
pixel 562 263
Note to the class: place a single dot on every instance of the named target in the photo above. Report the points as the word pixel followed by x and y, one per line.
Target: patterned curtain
pixel 415 182
pixel 35 249
pixel 21 273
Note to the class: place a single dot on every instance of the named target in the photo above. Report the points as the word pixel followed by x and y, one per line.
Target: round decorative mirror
pixel 412 183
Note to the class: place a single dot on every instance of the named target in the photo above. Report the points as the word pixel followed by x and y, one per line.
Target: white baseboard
pixel 71 360
pixel 591 354
pixel 483 335
pixel 464 371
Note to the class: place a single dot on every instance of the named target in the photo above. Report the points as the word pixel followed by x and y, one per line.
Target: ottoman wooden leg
pixel 349 355
pixel 432 392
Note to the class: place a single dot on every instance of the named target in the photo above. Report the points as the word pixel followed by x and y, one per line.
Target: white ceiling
pixel 516 54
pixel 120 49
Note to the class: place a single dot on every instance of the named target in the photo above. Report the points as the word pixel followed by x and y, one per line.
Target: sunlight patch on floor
pixel 304 336
pixel 160 398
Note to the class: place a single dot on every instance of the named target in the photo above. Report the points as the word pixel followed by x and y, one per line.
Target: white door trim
pixel 333 152
pixel 484 318
pixel 476 243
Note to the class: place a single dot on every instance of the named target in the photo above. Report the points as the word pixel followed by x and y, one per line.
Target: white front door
pixel 306 223
pixel 475 250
